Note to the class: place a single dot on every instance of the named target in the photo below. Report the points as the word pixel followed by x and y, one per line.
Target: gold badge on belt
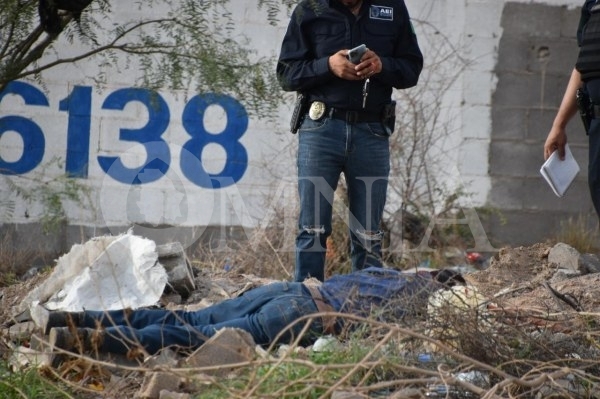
pixel 317 110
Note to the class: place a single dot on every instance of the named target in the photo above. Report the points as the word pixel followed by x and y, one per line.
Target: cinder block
pixel 517 159
pixel 517 89
pixel 473 156
pixel 569 21
pixel 534 195
pixel 517 227
pixel 476 122
pixel 530 19
pixel 554 88
pixel 512 53
pixel 476 88
pixel 539 123
pixel 553 56
pixel 509 123
pixel 538 196
pixel 564 56
pixel 506 193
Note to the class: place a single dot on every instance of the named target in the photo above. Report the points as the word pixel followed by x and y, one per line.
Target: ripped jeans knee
pixel 314 230
pixel 370 239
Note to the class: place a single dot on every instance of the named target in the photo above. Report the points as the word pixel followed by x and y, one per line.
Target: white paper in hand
pixel 560 173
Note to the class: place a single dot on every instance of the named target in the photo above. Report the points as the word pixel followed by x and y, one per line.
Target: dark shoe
pixel 61 319
pixel 75 339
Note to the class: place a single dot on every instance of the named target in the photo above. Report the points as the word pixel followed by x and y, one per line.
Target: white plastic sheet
pixel 105 273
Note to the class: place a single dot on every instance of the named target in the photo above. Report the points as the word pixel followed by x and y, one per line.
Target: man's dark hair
pixel 449 277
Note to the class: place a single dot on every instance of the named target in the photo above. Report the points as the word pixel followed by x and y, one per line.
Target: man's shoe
pixel 60 319
pixel 75 339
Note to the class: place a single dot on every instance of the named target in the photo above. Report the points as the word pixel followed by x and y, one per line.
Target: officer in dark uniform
pixel 349 117
pixel 586 76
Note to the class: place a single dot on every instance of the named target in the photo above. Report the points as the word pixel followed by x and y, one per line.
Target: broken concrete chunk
pixel 178 267
pixel 227 346
pixel 164 359
pixel 23 358
pixel 37 355
pixel 21 331
pixel 154 383
pixel 564 256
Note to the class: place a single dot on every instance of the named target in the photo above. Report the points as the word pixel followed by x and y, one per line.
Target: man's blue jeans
pixel 327 148
pixel 264 312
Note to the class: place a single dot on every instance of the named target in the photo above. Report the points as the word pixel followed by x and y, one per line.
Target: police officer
pixel 349 119
pixel 586 75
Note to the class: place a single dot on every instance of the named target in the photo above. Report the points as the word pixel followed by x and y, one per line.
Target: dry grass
pixel 581 233
pixel 381 359
pixel 14 262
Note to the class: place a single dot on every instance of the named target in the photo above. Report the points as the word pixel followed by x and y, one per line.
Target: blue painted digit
pixel 79 106
pixel 237 156
pixel 34 142
pixel 158 156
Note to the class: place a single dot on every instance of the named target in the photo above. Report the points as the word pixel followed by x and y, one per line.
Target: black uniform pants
pixel 593 88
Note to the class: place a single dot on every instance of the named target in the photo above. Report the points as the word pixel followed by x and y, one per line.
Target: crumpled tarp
pixel 105 273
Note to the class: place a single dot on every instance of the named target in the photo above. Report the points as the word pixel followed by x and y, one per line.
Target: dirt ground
pixel 522 277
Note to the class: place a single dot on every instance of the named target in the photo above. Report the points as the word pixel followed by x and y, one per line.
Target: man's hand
pixel 369 65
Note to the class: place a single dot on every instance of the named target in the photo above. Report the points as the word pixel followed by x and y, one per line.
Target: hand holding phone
pixel 355 54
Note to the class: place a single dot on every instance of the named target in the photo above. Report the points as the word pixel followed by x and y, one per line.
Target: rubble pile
pixel 544 289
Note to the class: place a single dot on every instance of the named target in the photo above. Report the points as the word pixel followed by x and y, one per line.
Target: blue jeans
pixel 327 148
pixel 593 88
pixel 264 312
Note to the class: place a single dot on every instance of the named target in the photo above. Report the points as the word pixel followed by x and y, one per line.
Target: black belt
pixel 352 116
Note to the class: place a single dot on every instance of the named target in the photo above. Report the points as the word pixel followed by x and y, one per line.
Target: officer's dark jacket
pixel 320 28
pixel 588 38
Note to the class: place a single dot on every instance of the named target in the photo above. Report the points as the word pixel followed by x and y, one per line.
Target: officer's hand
pixel 342 68
pixel 370 64
pixel 556 141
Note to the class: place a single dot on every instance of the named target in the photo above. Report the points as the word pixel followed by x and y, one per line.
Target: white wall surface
pixel 471 27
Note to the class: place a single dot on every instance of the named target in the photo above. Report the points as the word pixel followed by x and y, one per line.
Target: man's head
pixel 448 277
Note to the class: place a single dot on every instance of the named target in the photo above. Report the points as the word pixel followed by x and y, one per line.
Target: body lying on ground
pixel 267 312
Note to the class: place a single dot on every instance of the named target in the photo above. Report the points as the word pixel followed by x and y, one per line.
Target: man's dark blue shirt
pixel 320 28
pixel 375 288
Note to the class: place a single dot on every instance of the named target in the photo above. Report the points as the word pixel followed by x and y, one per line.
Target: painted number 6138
pixel 78 106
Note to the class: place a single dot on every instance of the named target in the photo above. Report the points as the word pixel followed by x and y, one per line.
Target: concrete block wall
pixel 536 54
